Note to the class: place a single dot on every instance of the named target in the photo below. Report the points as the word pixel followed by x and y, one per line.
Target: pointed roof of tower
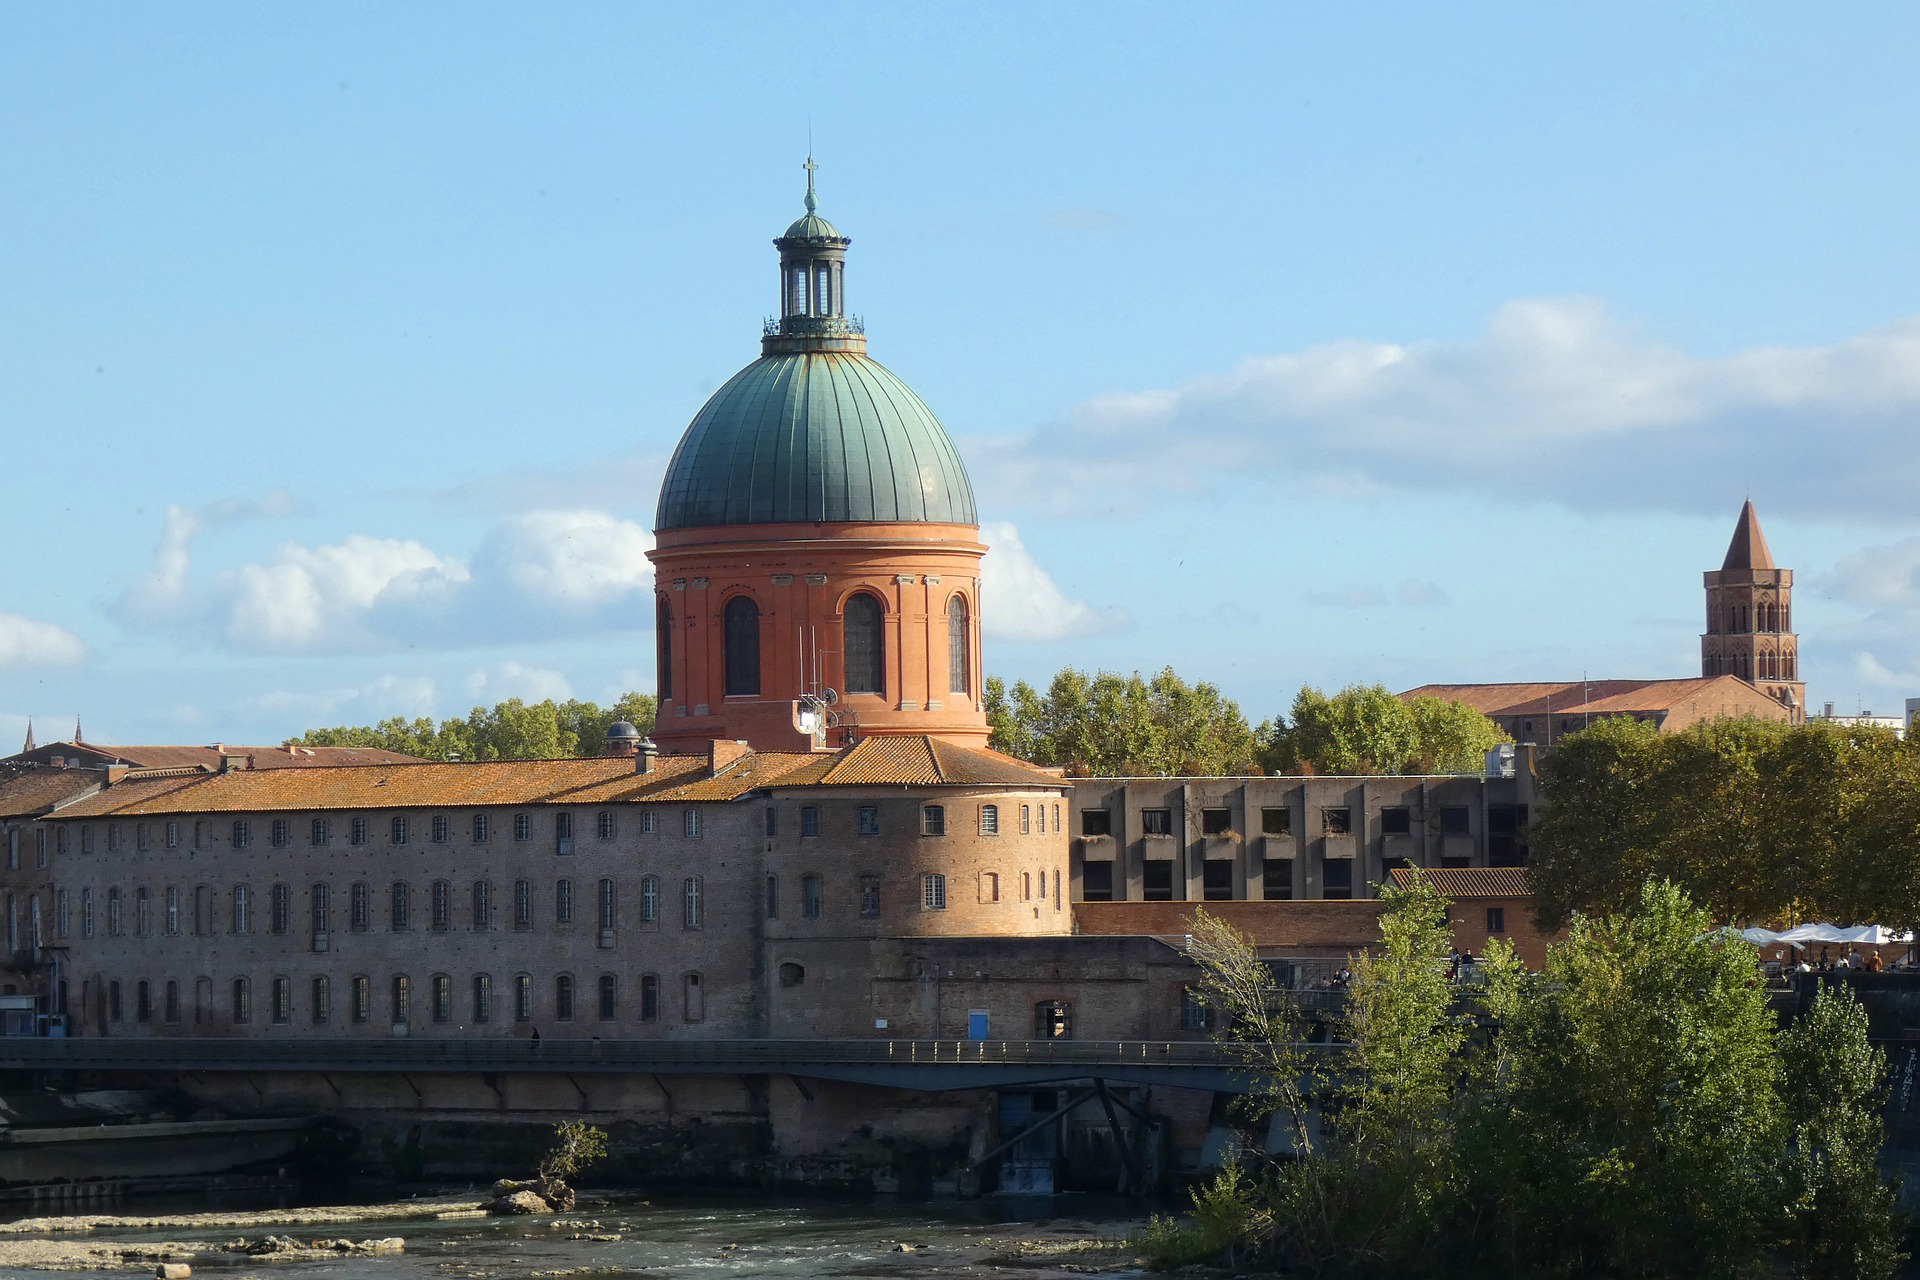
pixel 1748 550
pixel 29 745
pixel 77 736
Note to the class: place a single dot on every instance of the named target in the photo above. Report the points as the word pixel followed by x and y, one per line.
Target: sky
pixel 342 347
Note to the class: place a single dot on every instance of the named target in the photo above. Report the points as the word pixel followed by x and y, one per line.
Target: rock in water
pixel 519 1202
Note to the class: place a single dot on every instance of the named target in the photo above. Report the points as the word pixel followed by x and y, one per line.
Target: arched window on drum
pixel 866 641
pixel 663 644
pixel 959 646
pixel 742 625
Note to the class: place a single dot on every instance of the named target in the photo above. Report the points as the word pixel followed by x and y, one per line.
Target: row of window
pixel 863 648
pixel 1273 883
pixel 108 1003
pixel 1335 820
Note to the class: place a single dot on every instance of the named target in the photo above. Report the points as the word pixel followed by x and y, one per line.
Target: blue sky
pixel 344 345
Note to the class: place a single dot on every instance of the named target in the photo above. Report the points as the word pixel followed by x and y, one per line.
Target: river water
pixel 708 1240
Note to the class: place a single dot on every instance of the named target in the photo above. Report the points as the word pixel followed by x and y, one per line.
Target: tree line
pixel 1106 724
pixel 510 730
pixel 1635 1113
pixel 1758 821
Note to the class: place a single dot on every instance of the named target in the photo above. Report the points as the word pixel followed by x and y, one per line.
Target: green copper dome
pixel 811 226
pixel 810 436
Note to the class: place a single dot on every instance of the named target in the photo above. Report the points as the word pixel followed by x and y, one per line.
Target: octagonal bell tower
pixel 817 556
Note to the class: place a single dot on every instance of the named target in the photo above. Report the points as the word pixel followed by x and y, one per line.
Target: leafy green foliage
pixel 576 1144
pixel 1364 729
pixel 1110 725
pixel 510 730
pixel 1758 821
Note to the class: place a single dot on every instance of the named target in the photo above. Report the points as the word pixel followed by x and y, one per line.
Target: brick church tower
pixel 1750 619
pixel 817 556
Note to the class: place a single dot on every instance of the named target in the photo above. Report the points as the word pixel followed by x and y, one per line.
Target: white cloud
pixel 517 680
pixel 1555 400
pixel 377 699
pixel 328 597
pixel 1021 601
pixel 1877 577
pixel 579 559
pixel 163 593
pixel 25 642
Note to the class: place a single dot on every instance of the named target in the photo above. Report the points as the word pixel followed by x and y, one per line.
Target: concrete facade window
pixel 933 892
pixel 317 833
pixel 242 909
pixel 242 836
pixel 649 997
pixel 442 998
pixel 989 819
pixel 1096 882
pixel 1396 820
pixel 399 909
pixel 868 820
pixel 441 906
pixel 1336 821
pixel 1096 822
pixel 522 905
pixel 690 823
pixel 482 905
pixel 320 899
pixel 692 909
pixel 357 832
pixel 242 1008
pixel 279 909
pixel 649 900
pixel 810 897
pixel 1053 1020
pixel 400 828
pixel 321 1001
pixel 563 998
pixel 1216 880
pixel 609 997
pixel 441 830
pixel 865 647
pixel 740 627
pixel 523 826
pixel 1195 1013
pixel 869 897
pixel 809 821
pixel 482 828
pixel 362 998
pixel 693 998
pixel 1455 820
pixel 1337 878
pixel 360 907
pixel 609 907
pixel 1156 880
pixel 646 822
pixel 278 834
pixel 1216 822
pixel 523 997
pixel 1276 879
pixel 959 647
pixel 400 1000
pixel 173 841
pixel 603 824
pixel 933 820
pixel 563 902
pixel 563 832
pixel 482 998
pixel 1156 822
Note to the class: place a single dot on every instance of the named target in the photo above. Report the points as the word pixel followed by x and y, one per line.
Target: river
pixel 712 1239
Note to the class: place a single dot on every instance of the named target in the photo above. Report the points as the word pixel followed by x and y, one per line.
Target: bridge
pixel 927 1065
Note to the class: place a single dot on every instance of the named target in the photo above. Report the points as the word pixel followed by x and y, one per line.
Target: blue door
pixel 977 1024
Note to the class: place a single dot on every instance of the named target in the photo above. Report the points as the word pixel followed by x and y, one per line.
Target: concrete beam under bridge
pixel 927 1065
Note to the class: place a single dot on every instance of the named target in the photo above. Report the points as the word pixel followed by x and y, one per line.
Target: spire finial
pixel 29 745
pixel 76 730
pixel 810 167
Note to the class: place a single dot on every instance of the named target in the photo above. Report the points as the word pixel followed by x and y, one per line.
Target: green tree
pixel 1110 725
pixel 1633 1124
pixel 1364 729
pixel 1846 1223
pixel 510 730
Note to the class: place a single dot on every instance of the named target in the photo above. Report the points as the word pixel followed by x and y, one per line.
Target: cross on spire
pixel 810 166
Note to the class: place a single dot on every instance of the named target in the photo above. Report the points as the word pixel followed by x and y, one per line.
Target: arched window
pixel 866 645
pixel 242 1000
pixel 322 1001
pixel 663 645
pixel 563 997
pixel 742 621
pixel 482 998
pixel 959 647
pixel 442 998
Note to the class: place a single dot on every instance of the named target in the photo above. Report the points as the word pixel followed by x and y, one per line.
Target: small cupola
pixel 813 306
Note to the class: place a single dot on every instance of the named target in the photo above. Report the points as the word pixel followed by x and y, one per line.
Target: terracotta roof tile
pixel 208 757
pixel 1573 697
pixel 1474 882
pixel 40 789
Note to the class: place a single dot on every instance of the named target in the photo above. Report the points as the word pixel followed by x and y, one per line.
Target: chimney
pixel 644 755
pixel 115 772
pixel 721 753
pixel 232 764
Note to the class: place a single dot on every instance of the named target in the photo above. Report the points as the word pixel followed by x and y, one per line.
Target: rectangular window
pixel 362 999
pixel 603 824
pixel 172 840
pixel 869 897
pixel 360 907
pixel 563 833
pixel 809 821
pixel 173 911
pixel 563 998
pixel 279 833
pixel 609 906
pixel 280 909
pixel 1216 880
pixel 441 829
pixel 1026 819
pixel 442 906
pixel 989 819
pixel 400 830
pixel 1496 919
pixel 1339 878
pixel 357 832
pixel 1216 822
pixel 523 826
pixel 1096 882
pixel 317 835
pixel 482 998
pixel 400 908
pixel 113 837
pixel 810 897
pixel 773 897
pixel 609 991
pixel 242 910
pixel 142 913
pixel 1156 880
pixel 693 911
pixel 1276 879
pixel 649 900
pixel 113 913
pixel 1053 1020
pixel 693 998
pixel 869 820
pixel 690 823
pixel 1156 822
pixel 442 998
pixel 646 822
pixel 242 1001
pixel 649 998
pixel 1396 821
pixel 242 833
pixel 321 902
pixel 171 1007
pixel 322 1002
pixel 402 999
pixel 1043 818
pixel 1336 822
pixel 563 902
pixel 141 842
pixel 933 820
pixel 1454 820
pixel 482 905
pixel 773 822
pixel 1195 1013
pixel 522 998
pixel 482 828
pixel 933 892
pixel 523 905
pixel 1096 822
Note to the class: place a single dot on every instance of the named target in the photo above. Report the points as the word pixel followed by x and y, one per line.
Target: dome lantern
pixel 813 309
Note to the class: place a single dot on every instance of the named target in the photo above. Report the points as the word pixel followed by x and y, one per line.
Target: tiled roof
pixel 1748 550
pixel 209 757
pixel 902 761
pixel 1572 697
pixel 1473 882
pixel 40 789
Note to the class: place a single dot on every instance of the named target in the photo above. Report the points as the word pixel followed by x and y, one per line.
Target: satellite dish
pixel 830 697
